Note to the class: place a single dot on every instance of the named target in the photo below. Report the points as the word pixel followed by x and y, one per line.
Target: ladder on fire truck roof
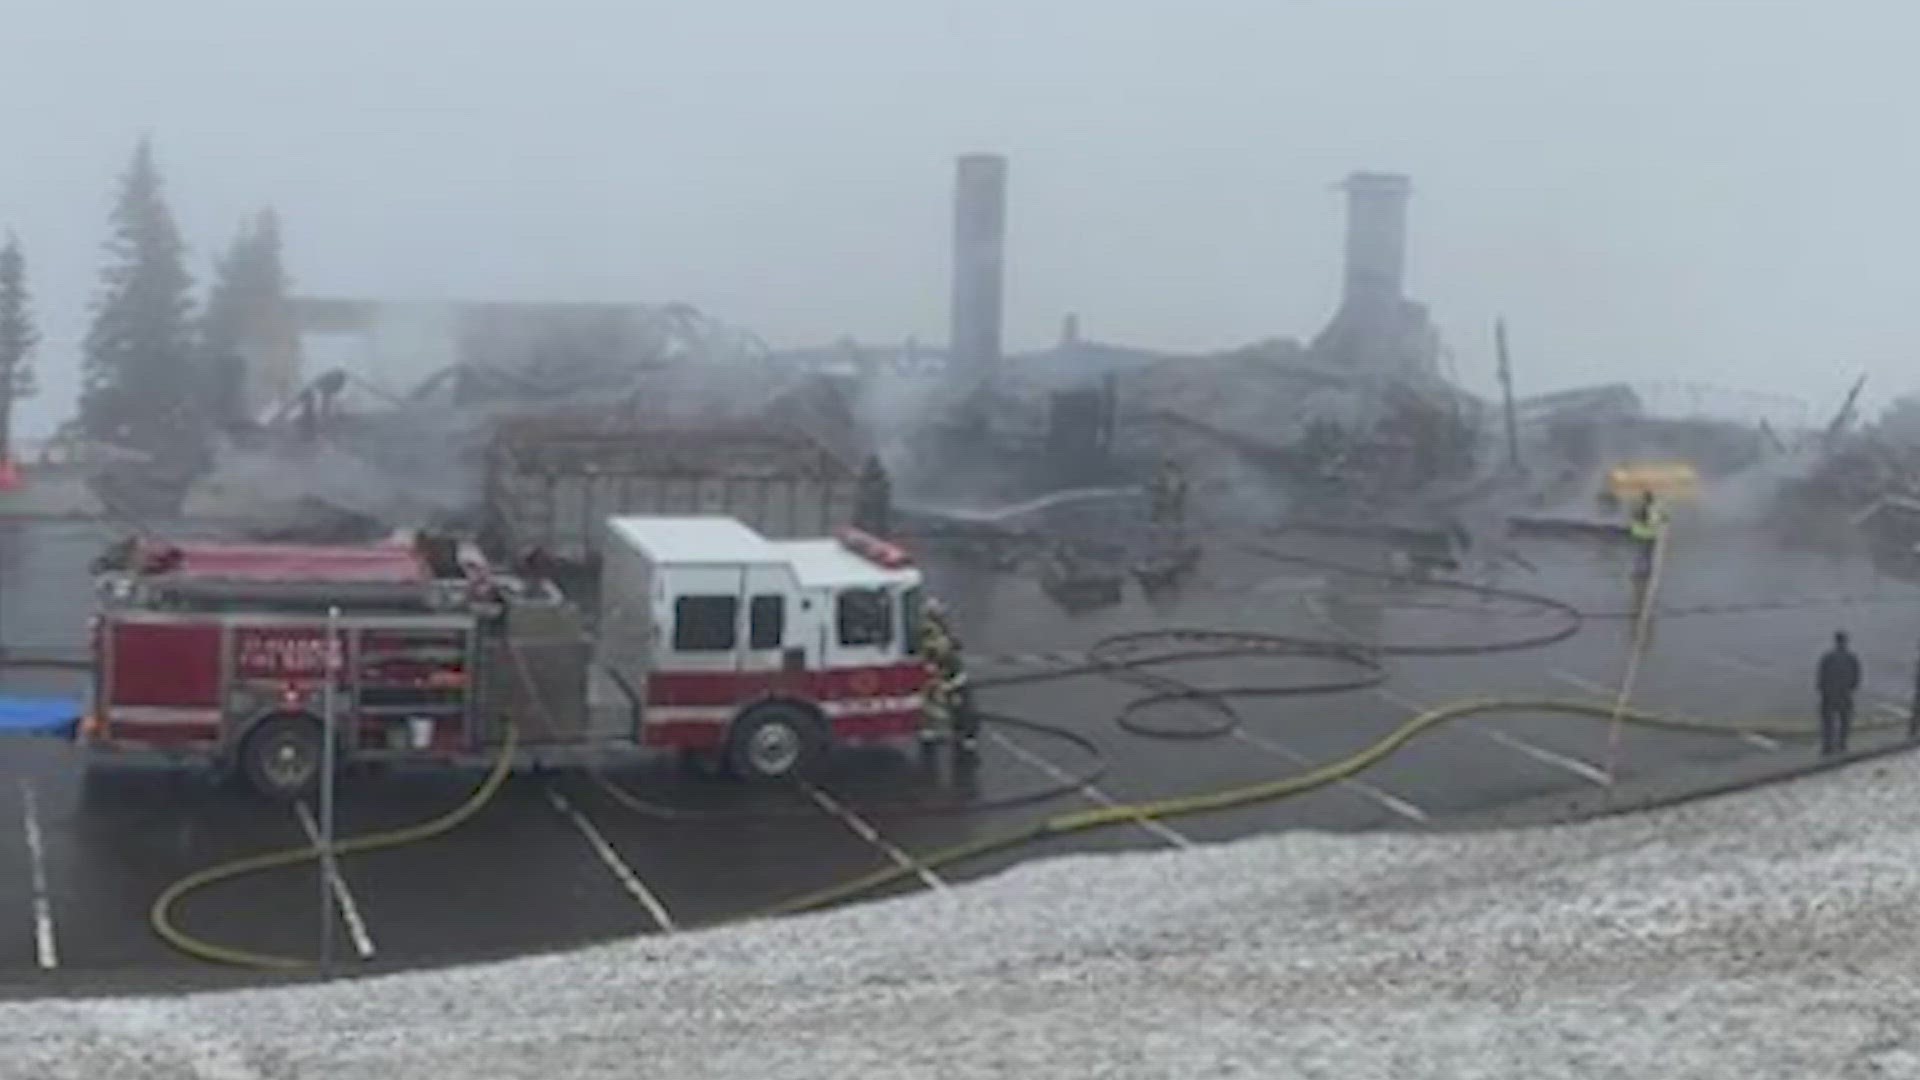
pixel 390 576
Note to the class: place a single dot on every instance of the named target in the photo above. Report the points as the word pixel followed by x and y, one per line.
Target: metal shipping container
pixel 552 482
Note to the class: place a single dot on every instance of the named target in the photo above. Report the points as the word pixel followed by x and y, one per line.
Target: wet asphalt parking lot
pixel 561 859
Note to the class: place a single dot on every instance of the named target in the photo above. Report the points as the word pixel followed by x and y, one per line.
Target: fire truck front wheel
pixel 281 757
pixel 772 741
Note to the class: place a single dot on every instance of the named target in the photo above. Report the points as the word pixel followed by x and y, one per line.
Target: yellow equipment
pixel 1669 481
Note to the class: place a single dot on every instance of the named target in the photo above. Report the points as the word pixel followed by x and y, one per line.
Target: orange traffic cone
pixel 9 476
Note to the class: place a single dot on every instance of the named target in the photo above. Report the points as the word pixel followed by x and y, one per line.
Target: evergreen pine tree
pixel 245 316
pixel 18 337
pixel 138 367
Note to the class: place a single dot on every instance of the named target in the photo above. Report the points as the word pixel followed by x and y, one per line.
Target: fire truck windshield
pixel 865 617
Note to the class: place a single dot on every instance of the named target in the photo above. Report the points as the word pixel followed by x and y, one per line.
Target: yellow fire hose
pixel 160 915
pixel 1228 798
pixel 1616 711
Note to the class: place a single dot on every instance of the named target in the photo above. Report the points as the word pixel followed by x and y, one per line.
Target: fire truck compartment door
pixel 767 619
pixel 703 617
pixel 163 663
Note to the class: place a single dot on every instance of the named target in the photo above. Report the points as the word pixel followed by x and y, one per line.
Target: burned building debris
pixel 527 421
pixel 1869 475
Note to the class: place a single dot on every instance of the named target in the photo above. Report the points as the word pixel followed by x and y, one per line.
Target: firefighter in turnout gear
pixel 1167 495
pixel 949 700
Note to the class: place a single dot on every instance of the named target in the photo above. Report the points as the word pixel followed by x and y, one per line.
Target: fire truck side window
pixel 766 622
pixel 704 623
pixel 865 617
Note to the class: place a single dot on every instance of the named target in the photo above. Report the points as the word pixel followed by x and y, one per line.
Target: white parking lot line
pixel 1579 683
pixel 342 896
pixel 1564 762
pixel 1751 738
pixel 1094 794
pixel 622 873
pixel 860 827
pixel 1736 662
pixel 1577 767
pixel 1393 803
pixel 43 937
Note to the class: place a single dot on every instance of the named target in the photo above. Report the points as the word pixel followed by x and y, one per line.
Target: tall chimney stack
pixel 979 242
pixel 1376 244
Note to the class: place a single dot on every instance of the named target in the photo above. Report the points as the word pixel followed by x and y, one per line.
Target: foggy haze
pixel 1647 190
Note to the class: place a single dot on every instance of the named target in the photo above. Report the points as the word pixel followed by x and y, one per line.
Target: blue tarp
pixel 51 717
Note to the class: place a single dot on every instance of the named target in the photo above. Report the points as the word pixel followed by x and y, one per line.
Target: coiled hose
pixel 1124 657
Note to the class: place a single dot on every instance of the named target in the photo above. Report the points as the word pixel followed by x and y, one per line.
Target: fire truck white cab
pixel 757 653
pixel 712 641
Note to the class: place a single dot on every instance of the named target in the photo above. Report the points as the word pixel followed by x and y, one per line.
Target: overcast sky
pixel 1648 189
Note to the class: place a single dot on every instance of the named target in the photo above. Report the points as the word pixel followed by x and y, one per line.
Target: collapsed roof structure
pixel 399 434
pixel 361 443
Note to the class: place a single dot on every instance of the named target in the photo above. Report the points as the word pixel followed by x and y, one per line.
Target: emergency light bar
pixel 875 550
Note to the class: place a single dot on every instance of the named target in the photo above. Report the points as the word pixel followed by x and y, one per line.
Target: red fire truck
pixel 752 655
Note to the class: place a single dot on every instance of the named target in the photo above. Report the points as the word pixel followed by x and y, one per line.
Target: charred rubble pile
pixel 1357 423
pixel 344 457
pixel 1715 448
pixel 1857 468
pixel 1871 478
pixel 1062 444
pixel 1273 431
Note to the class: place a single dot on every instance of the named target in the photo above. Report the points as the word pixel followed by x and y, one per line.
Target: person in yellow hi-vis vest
pixel 1645 530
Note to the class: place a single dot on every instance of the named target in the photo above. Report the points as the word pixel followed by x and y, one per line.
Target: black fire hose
pixel 1130 658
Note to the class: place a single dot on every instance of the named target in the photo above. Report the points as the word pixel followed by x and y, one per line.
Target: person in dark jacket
pixel 1838 679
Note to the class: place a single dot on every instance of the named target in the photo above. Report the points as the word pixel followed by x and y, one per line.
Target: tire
pixel 281 758
pixel 772 742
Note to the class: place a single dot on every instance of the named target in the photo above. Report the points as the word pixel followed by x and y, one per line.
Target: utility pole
pixel 330 730
pixel 1838 426
pixel 1506 391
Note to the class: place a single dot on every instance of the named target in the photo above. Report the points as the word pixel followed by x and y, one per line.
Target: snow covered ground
pixel 1772 934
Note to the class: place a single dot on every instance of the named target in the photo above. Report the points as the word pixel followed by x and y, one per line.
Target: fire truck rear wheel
pixel 773 741
pixel 281 757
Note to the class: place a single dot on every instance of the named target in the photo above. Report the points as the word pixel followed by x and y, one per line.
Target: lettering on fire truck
pixel 286 652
